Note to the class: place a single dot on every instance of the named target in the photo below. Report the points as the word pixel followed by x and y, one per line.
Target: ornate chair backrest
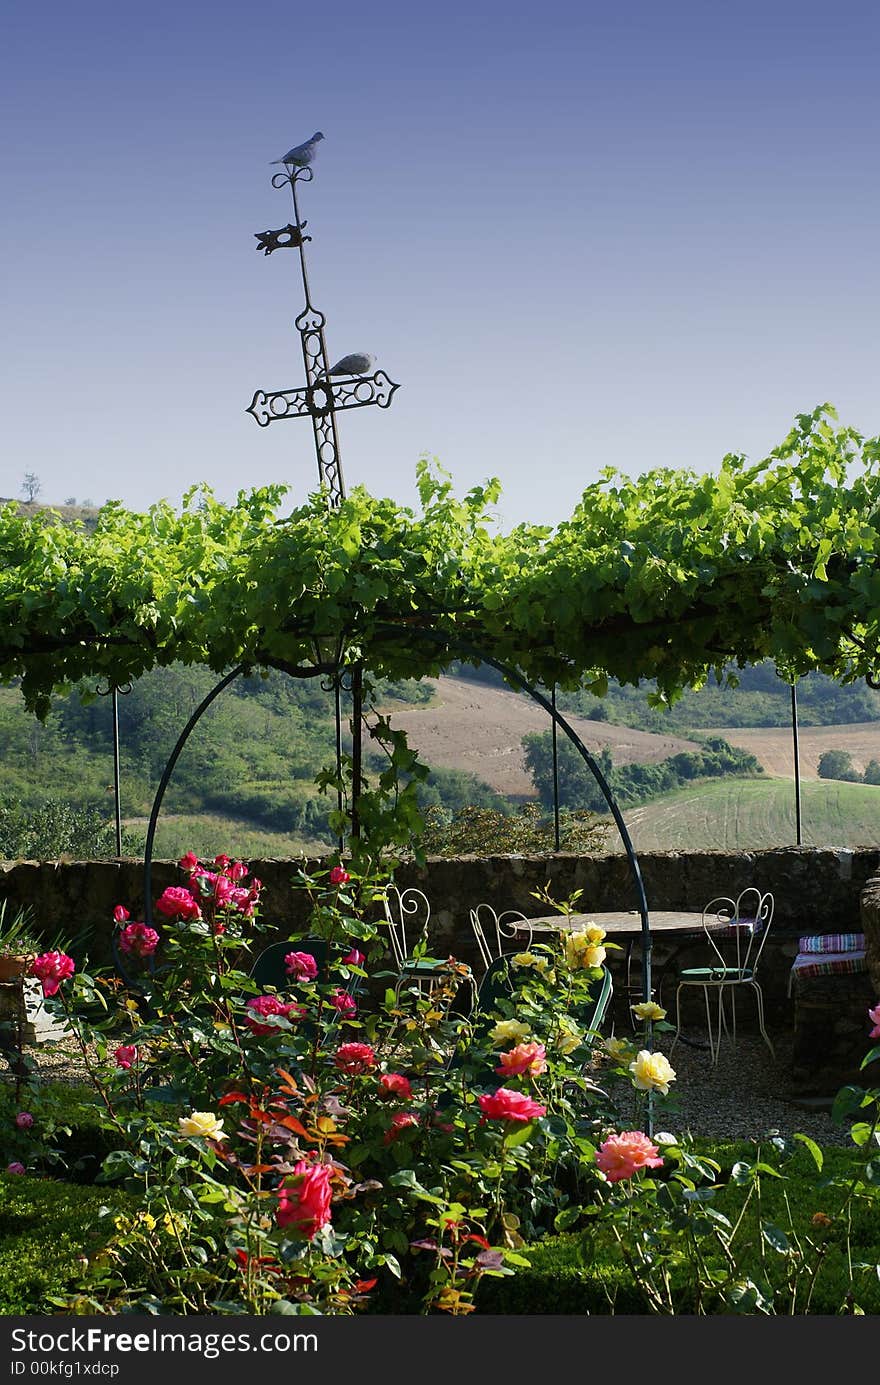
pixel 493 930
pixel 408 914
pixel 748 919
pixel 754 914
pixel 724 909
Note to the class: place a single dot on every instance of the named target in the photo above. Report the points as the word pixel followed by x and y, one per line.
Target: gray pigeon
pixel 357 363
pixel 302 154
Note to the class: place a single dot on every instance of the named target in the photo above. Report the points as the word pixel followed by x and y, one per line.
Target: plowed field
pixel 478 728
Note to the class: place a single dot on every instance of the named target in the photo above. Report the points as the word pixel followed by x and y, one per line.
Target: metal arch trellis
pixel 455 648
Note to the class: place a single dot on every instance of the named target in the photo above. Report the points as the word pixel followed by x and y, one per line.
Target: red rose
pixel 343 1001
pixel 506 1105
pixel 355 1058
pixel 125 1055
pixel 400 1121
pixel 138 940
pixel 304 1205
pixel 338 876
pixel 52 968
pixel 267 1006
pixel 301 965
pixel 177 903
pixel 395 1084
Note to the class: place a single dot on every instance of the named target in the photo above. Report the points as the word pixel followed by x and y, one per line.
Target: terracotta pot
pixel 12 968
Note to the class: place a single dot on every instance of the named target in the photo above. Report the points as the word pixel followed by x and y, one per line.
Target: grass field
pixel 207 834
pixel 745 814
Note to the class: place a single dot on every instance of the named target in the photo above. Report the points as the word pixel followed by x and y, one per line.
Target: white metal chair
pixel 408 913
pixel 492 931
pixel 750 917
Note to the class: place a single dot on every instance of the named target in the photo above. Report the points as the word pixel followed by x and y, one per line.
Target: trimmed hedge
pixel 45 1227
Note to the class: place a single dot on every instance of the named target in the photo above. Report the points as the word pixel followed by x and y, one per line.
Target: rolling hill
pixel 479 728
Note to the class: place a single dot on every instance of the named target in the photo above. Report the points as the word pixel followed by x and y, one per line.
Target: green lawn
pixel 746 814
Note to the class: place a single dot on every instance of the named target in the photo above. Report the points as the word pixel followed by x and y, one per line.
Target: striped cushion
pixel 832 942
pixel 814 964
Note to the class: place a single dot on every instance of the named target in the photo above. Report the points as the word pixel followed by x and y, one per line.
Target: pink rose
pixel 52 968
pixel 239 870
pixel 621 1155
pixel 304 1205
pixel 223 890
pixel 15 1167
pixel 355 1058
pixel 874 1017
pixel 120 914
pixel 353 958
pixel 400 1121
pixel 267 1006
pixel 177 903
pixel 301 965
pixel 222 861
pixel 507 1105
pixel 343 1001
pixel 525 1058
pixel 189 862
pixel 138 940
pixel 125 1055
pixel 24 1120
pixel 338 876
pixel 395 1084
pixel 256 886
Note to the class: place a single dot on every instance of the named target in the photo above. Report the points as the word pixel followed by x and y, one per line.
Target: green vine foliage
pixel 669 576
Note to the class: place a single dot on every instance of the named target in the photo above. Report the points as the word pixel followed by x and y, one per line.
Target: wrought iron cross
pixel 321 396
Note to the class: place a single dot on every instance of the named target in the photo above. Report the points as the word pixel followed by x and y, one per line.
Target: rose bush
pixel 293 1145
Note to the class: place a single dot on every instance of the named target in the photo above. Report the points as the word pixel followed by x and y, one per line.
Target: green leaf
pixel 815 1151
pixel 775 1238
pixel 519 1136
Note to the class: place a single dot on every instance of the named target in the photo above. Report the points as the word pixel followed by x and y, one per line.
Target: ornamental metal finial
pixel 345 385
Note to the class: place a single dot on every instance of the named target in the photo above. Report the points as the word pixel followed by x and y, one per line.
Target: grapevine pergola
pixel 668 577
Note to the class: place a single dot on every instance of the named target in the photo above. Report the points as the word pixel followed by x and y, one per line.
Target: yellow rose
pixel 583 951
pixel 203 1123
pixel 617 1048
pixel 595 932
pixel 568 1039
pixel 648 1010
pixel 508 1031
pixel 524 959
pixel 652 1072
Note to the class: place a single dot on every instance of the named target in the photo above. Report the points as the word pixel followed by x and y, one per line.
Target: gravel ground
pixel 744 1096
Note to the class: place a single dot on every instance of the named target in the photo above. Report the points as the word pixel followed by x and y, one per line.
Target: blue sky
pixel 577 235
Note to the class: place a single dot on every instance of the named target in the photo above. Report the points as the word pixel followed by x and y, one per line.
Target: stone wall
pixel 815 891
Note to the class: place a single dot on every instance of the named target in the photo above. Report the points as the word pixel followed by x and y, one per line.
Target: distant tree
pixel 487 832
pixel 598 713
pixel 837 764
pixel 88 504
pixel 71 500
pixel 31 486
pixel 872 772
